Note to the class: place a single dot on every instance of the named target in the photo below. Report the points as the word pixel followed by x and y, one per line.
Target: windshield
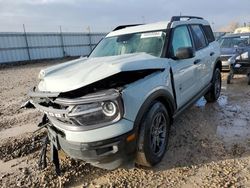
pixel 231 42
pixel 149 42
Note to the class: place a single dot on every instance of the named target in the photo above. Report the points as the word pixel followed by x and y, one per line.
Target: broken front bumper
pixel 103 144
pixel 108 154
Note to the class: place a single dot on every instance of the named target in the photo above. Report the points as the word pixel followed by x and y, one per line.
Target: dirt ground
pixel 209 143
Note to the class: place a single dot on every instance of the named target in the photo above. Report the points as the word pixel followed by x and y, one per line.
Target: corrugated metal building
pixel 34 46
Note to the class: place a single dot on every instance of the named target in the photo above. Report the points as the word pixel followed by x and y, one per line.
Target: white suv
pixel 117 104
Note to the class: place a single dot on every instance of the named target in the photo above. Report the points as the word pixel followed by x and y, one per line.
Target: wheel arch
pixel 218 64
pixel 161 95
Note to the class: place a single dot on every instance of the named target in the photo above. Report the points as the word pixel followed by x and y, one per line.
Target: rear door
pixel 203 60
pixel 184 71
pixel 213 50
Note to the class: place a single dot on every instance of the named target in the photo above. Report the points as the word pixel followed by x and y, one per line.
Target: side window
pixel 181 38
pixel 209 33
pixel 198 36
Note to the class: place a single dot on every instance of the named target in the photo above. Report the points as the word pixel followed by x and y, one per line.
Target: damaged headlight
pixel 97 113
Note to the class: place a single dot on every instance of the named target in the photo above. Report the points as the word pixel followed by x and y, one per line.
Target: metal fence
pixel 16 47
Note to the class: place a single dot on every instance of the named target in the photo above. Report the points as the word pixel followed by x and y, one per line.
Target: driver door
pixel 185 73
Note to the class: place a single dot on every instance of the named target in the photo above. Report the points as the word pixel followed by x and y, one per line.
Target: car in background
pixel 232 44
pixel 239 64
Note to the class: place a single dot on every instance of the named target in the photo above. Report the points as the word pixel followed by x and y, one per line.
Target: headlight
pixel 97 113
pixel 231 60
pixel 109 108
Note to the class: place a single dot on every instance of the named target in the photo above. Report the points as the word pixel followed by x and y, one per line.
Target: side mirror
pixel 185 53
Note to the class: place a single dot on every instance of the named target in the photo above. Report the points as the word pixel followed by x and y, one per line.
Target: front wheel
pixel 213 94
pixel 153 135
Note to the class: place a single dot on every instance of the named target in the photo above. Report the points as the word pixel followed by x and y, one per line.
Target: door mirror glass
pixel 185 53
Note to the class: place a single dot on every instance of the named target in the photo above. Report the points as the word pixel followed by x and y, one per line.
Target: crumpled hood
pixel 84 71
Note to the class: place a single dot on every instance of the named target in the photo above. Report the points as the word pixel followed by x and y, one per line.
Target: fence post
pixel 62 43
pixel 89 35
pixel 26 41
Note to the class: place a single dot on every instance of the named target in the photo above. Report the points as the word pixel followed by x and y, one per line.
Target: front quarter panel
pixel 136 93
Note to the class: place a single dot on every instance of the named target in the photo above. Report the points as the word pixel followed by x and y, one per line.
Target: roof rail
pixel 124 26
pixel 178 18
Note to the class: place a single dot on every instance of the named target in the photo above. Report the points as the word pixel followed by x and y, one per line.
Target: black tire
pixel 152 141
pixel 248 79
pixel 229 79
pixel 214 93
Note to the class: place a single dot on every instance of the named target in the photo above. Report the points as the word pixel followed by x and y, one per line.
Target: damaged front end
pixel 87 117
pixel 66 117
pixel 88 123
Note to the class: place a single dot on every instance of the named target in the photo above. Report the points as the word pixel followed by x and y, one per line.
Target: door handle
pixel 212 53
pixel 197 61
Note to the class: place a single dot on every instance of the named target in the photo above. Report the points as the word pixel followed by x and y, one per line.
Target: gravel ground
pixel 209 143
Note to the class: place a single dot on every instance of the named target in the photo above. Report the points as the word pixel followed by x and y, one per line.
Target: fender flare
pixel 163 96
pixel 218 64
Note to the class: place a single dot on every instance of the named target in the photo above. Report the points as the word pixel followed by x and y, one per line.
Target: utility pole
pixel 26 41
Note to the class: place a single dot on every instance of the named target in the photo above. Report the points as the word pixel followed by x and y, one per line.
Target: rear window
pixel 198 36
pixel 209 33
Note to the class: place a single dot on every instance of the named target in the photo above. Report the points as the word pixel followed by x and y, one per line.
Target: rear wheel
pixel 153 135
pixel 214 92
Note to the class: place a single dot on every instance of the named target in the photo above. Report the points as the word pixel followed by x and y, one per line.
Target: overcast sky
pixel 103 15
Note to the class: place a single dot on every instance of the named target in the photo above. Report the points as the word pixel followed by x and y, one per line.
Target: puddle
pixel 237 132
pixel 223 88
pixel 15 131
pixel 222 100
pixel 233 108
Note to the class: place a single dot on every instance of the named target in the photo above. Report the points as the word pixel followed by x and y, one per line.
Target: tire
pixel 228 79
pixel 248 79
pixel 213 94
pixel 153 135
